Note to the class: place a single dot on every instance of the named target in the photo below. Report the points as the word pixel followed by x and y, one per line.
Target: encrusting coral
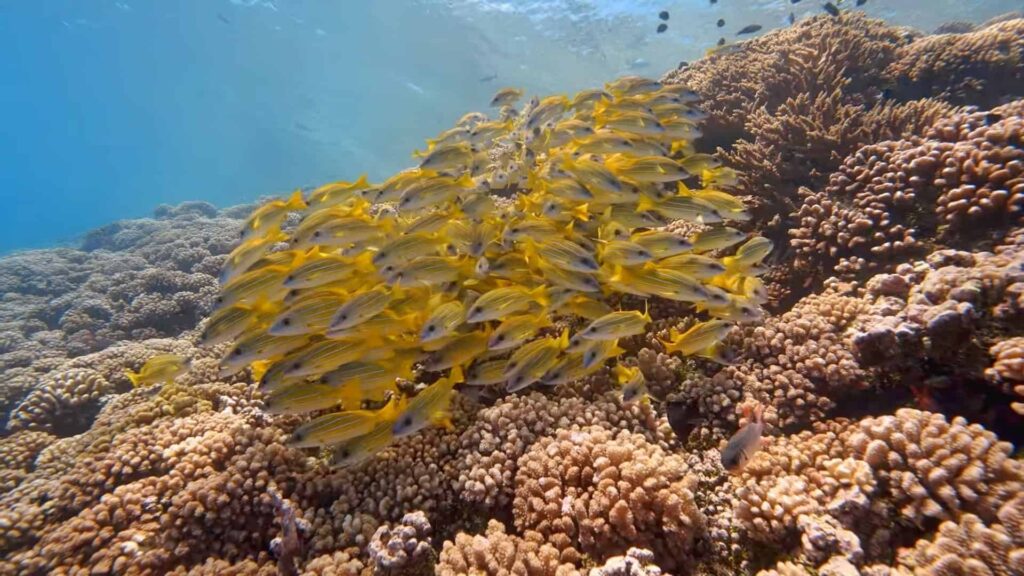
pixel 197 475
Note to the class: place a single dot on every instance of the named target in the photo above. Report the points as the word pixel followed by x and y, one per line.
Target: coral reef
pixel 891 377
pixel 132 280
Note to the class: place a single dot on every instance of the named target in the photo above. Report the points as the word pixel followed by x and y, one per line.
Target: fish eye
pixel 431 328
pixel 511 364
pixel 286 322
pixel 237 352
pixel 343 317
pixel 500 338
pixel 407 422
pixel 296 365
pixel 345 454
pixel 477 310
pixel 290 278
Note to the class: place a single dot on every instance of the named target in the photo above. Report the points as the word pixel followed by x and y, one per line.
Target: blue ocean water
pixel 110 108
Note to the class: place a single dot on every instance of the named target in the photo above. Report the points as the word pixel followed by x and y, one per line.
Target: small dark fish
pixel 749 29
pixel 662 27
pixel 714 1
pixel 721 22
pixel 223 18
pixel 682 65
pixel 663 14
pixel 993 117
pixel 682 417
pixel 861 2
pixel 794 1
pixel 489 78
pixel 792 18
pixel 831 9
pixel 721 41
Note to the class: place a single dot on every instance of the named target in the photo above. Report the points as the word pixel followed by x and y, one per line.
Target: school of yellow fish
pixel 426 275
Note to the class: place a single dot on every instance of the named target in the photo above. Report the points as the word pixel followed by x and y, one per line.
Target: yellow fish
pixel 434 192
pixel 364 447
pixel 326 268
pixel 338 192
pixel 546 111
pixel 532 360
pixel 632 85
pixel 160 368
pixel 443 321
pixel 339 427
pixel 658 281
pixel 309 314
pixel 271 215
pixel 248 253
pixel 505 97
pixel 585 99
pixel 633 384
pixel 716 239
pixel 325 355
pixel 595 352
pixel 486 372
pixel 698 337
pixel 258 285
pixel 637 123
pixel 406 248
pixel 662 244
pixel 682 208
pixel 574 280
pixel 360 308
pixel 625 253
pixel 459 351
pixel 561 253
pixel 751 253
pixel 693 265
pixel 430 406
pixel 228 323
pixel 449 157
pixel 586 307
pixel 656 169
pixel 506 301
pixel 301 397
pixel 617 325
pixel 515 330
pixel 256 347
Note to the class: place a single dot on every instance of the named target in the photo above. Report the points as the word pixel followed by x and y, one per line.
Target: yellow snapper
pixel 682 208
pixel 443 321
pixel 632 85
pixel 698 337
pixel 617 325
pixel 749 254
pixel 504 302
pixel 506 96
pixel 633 384
pixel 326 268
pixel 448 157
pixel 574 280
pixel 532 360
pixel 662 244
pixel 406 248
pixel 458 351
pixel 594 352
pixel 364 447
pixel 360 308
pixel 301 397
pixel 430 406
pixel 716 239
pixel 515 330
pixel 625 253
pixel 585 99
pixel 562 253
pixel 229 323
pixel 486 372
pixel 331 429
pixel 249 252
pixel 271 215
pixel 325 355
pixel 338 192
pixel 646 168
pixel 433 192
pixel 256 347
pixel 160 368
pixel 308 314
pixel 260 284
pixel 693 265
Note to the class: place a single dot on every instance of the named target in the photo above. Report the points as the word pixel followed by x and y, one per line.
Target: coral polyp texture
pixel 547 348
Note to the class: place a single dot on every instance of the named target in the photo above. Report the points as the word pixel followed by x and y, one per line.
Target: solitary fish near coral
pixel 749 29
pixel 745 442
pixel 160 368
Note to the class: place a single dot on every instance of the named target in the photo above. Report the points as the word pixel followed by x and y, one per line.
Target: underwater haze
pixel 111 108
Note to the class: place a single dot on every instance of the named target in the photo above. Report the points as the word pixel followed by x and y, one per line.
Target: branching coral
pixel 603 493
pixel 495 552
pixel 963 181
pixel 981 67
